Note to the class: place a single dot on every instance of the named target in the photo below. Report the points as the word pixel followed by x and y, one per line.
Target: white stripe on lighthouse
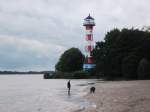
pixel 89 32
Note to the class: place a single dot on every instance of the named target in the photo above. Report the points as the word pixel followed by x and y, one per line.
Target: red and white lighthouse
pixel 89 24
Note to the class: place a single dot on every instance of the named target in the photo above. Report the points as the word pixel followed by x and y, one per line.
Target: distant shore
pixel 21 72
pixel 120 96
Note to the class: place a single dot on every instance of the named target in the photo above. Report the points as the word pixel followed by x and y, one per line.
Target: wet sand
pixel 120 96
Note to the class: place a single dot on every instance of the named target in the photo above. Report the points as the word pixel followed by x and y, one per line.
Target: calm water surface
pixel 32 93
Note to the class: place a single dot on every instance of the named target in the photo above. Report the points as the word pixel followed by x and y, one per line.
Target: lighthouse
pixel 88 24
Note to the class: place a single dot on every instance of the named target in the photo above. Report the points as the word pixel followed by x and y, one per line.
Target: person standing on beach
pixel 69 86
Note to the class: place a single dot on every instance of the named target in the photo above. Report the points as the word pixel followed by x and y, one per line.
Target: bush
pixel 129 67
pixel 144 69
pixel 80 75
pixel 61 75
pixel 46 76
pixel 73 75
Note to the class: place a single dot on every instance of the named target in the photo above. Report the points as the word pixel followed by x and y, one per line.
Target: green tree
pixel 71 60
pixel 129 66
pixel 99 55
pixel 120 52
pixel 144 69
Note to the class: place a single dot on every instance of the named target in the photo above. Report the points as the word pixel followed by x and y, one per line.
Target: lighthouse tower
pixel 89 24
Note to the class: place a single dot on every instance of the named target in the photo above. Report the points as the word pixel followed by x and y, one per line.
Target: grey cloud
pixel 18 53
pixel 53 23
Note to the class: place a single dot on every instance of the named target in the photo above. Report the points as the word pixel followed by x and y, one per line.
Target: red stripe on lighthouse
pixel 90 60
pixel 89 37
pixel 88 48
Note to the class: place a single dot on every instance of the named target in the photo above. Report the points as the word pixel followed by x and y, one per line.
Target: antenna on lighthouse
pixel 89 24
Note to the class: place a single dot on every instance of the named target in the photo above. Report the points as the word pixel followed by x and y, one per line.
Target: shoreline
pixel 119 96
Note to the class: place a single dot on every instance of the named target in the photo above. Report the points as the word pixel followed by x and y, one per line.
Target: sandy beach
pixel 120 96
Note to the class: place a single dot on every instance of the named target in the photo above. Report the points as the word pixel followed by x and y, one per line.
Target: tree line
pixel 122 54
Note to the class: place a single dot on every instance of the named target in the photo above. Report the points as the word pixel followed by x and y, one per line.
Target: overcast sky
pixel 34 33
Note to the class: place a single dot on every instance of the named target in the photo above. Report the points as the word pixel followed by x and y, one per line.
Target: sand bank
pixel 120 96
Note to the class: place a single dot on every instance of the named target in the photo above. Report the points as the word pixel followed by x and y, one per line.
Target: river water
pixel 32 93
